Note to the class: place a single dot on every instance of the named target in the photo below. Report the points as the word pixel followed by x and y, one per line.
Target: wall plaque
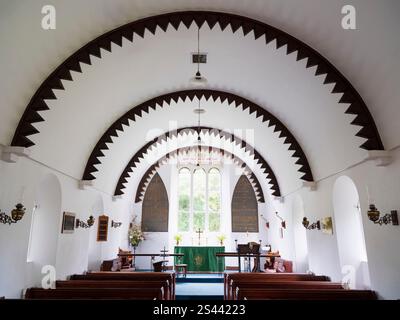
pixel 244 207
pixel 102 228
pixel 155 206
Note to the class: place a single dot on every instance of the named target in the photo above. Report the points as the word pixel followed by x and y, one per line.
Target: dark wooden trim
pixel 45 92
pixel 141 189
pixel 139 155
pixel 133 114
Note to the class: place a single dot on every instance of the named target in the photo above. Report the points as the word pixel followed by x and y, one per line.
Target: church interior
pixel 180 150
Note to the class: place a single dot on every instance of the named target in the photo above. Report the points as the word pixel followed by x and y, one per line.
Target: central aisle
pixel 200 287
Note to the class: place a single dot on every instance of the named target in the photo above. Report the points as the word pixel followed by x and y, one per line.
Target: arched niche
pixel 155 206
pixel 350 233
pixel 300 236
pixel 94 251
pixel 45 226
pixel 244 207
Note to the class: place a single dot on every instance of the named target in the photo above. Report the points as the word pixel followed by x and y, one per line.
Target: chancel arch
pixel 232 142
pixel 143 184
pixel 155 206
pixel 214 95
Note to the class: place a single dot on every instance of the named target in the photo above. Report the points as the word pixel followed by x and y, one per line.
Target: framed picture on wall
pixel 68 222
pixel 326 225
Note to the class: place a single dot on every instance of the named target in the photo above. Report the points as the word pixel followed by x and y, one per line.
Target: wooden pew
pixel 251 276
pixel 132 276
pixel 245 284
pixel 95 293
pixel 304 294
pixel 117 284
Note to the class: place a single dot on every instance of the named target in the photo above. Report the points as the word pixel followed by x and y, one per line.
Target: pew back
pixel 304 294
pixel 130 276
pixel 95 293
pixel 117 284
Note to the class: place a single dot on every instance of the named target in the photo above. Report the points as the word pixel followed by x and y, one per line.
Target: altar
pixel 201 258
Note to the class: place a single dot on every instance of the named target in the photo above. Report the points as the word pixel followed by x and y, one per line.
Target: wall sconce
pixel 308 226
pixel 115 224
pixel 389 218
pixel 16 215
pixel 283 222
pixel 87 224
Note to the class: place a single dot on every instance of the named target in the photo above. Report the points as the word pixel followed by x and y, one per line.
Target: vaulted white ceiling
pixel 160 63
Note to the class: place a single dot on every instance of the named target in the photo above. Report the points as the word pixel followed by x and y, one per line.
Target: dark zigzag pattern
pixel 357 106
pixel 266 169
pixel 136 112
pixel 153 169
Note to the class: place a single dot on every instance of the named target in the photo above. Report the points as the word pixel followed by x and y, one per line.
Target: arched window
pixel 184 196
pixel 214 200
pixel 199 199
pixel 199 194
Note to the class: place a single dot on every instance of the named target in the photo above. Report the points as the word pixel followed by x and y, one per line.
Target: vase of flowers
pixel 178 239
pixel 221 239
pixel 135 234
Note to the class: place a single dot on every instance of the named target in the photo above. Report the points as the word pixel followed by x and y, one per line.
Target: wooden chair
pixel 181 268
pixel 126 262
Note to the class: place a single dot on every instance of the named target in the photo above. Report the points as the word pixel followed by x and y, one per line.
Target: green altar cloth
pixel 201 258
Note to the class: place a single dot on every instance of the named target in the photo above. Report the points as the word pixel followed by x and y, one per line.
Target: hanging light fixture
pixel 199 142
pixel 198 79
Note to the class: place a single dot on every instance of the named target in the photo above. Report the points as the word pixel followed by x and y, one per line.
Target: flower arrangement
pixel 178 239
pixel 221 239
pixel 135 234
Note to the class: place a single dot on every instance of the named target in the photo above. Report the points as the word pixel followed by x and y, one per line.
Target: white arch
pixel 300 236
pixel 350 234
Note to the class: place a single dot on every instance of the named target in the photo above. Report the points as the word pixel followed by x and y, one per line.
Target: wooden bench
pixel 245 284
pixel 117 284
pixel 259 277
pixel 131 276
pixel 95 293
pixel 304 294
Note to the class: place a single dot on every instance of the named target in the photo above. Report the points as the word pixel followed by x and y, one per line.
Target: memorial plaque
pixel 244 207
pixel 155 206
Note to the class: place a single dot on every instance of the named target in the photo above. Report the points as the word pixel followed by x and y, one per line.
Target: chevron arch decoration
pixel 350 96
pixel 136 112
pixel 145 180
pixel 267 170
